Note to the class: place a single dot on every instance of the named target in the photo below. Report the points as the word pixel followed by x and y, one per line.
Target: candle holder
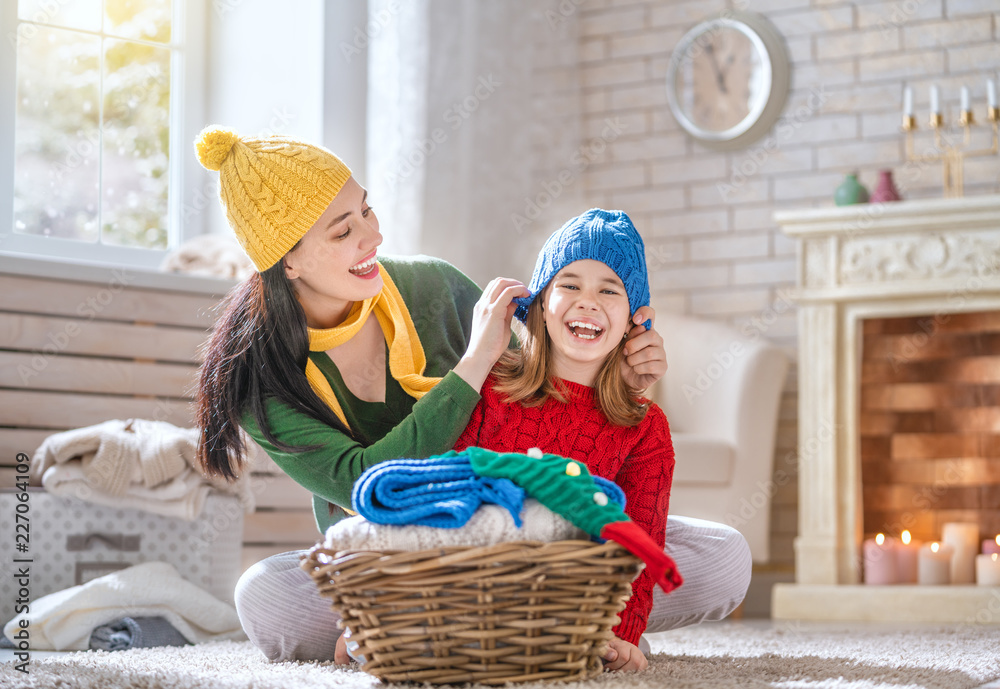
pixel 952 157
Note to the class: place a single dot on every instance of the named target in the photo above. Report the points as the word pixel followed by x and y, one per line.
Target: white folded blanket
pixel 63 621
pixel 489 525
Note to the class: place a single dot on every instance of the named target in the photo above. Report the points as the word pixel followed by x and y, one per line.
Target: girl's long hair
pixel 523 374
pixel 258 350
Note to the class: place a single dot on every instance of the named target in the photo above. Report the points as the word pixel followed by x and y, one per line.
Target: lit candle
pixel 991 93
pixel 965 98
pixel 935 106
pixel 934 564
pixel 964 538
pixel 990 547
pixel 988 569
pixel 906 559
pixel 880 560
pixel 908 102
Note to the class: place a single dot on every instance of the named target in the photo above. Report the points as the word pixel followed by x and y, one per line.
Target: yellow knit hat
pixel 273 188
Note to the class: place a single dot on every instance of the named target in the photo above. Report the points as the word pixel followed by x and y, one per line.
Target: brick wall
pixel 930 408
pixel 707 216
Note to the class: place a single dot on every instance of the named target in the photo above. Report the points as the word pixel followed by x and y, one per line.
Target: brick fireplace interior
pixel 930 423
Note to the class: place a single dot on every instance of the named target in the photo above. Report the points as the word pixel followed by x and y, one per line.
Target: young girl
pixel 563 391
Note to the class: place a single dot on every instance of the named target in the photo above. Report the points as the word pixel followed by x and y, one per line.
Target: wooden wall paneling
pixel 114 300
pixel 48 336
pixel 96 375
pixel 61 410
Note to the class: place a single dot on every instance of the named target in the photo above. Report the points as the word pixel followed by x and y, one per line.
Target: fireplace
pixel 893 425
pixel 929 425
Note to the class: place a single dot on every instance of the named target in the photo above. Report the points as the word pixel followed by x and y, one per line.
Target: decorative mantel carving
pixel 918 257
pixel 856 262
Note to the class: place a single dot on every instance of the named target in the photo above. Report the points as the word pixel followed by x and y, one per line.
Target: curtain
pixel 473 128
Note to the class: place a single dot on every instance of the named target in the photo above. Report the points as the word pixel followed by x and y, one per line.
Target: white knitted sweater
pixel 490 524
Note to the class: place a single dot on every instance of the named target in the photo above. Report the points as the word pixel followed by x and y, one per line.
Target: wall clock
pixel 728 80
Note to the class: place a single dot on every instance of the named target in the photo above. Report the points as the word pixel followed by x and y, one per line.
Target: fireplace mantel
pixel 907 258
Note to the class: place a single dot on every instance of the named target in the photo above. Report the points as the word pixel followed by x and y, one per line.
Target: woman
pixel 334 361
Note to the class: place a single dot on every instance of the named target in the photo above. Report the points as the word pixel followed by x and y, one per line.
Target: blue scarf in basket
pixel 442 491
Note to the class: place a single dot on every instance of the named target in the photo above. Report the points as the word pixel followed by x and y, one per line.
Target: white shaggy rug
pixel 786 655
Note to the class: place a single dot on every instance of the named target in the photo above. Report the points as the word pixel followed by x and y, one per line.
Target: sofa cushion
pixel 703 460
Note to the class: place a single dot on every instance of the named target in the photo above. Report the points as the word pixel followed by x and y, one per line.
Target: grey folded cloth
pixel 135 632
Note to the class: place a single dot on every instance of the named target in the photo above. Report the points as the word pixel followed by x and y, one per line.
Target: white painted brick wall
pixel 712 245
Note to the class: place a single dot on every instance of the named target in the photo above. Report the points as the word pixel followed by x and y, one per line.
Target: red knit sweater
pixel 640 459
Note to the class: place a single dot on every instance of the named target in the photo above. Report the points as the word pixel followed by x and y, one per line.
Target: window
pixel 98 128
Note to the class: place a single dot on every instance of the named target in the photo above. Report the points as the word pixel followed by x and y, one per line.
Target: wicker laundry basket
pixel 511 612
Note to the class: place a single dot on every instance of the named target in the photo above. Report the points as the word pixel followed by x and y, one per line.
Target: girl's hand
pixel 645 359
pixel 490 329
pixel 623 656
pixel 340 655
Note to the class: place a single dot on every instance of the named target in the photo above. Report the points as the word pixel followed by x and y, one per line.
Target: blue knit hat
pixel 605 236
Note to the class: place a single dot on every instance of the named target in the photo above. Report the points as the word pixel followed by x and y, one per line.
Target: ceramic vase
pixel 886 188
pixel 850 191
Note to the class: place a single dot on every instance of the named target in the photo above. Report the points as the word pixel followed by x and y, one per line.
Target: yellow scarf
pixel 406 355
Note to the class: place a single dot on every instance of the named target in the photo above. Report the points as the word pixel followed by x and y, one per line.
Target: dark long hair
pixel 258 350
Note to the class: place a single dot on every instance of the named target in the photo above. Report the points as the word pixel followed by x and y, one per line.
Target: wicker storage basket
pixel 511 612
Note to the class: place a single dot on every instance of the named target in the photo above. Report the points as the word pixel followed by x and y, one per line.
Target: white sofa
pixel 721 395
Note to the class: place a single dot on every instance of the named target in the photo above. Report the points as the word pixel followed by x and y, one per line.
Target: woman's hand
pixel 645 359
pixel 490 329
pixel 623 656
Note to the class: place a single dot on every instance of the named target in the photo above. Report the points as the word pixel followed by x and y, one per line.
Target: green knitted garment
pixel 563 485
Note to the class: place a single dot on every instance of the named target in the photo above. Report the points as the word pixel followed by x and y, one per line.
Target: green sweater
pixel 440 300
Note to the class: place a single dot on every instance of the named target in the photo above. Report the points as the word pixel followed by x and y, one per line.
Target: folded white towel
pixel 63 621
pixel 489 525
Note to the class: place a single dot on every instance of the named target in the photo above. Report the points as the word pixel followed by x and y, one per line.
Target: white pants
pixel 286 618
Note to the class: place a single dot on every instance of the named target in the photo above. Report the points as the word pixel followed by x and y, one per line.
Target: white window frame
pixel 187 89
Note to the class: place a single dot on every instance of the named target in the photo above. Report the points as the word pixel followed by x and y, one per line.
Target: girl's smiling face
pixel 586 314
pixel 333 265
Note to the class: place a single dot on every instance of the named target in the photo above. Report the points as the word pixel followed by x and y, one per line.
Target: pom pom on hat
pixel 274 188
pixel 213 146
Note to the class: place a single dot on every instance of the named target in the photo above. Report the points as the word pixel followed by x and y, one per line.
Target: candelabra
pixel 951 156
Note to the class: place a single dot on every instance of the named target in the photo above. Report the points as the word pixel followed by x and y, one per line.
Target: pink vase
pixel 886 188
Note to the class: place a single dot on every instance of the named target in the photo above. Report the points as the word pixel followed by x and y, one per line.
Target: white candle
pixel 965 98
pixel 880 560
pixel 964 538
pixel 906 559
pixel 908 101
pixel 988 570
pixel 991 93
pixel 935 106
pixel 934 564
